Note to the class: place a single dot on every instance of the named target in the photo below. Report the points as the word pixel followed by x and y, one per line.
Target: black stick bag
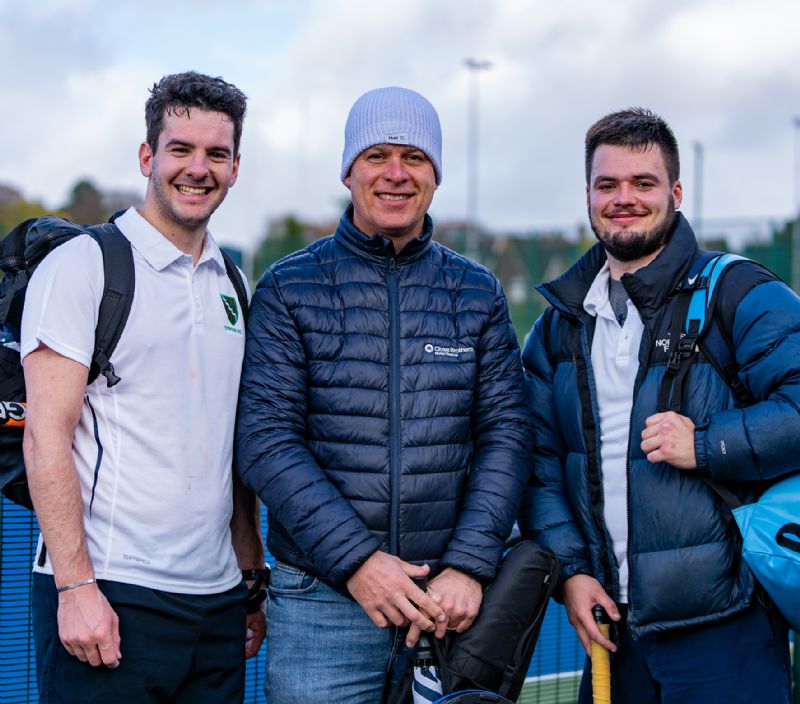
pixel 496 651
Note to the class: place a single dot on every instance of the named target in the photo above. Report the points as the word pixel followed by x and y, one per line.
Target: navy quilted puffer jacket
pixel 382 407
pixel 683 552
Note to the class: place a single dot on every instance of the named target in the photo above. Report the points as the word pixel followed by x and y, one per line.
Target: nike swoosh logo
pixel 691 280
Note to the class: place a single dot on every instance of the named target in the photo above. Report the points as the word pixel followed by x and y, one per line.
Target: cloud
pixel 723 73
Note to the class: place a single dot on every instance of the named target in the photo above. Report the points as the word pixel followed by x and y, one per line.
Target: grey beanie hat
pixel 392 115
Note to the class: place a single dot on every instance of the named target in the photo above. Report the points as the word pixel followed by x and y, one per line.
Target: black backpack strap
pixel 670 395
pixel 238 285
pixel 730 499
pixel 115 305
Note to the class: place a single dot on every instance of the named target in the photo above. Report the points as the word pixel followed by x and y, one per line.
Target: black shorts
pixel 176 648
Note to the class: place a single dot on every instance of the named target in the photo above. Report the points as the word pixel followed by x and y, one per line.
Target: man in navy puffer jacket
pixel 382 421
pixel 621 503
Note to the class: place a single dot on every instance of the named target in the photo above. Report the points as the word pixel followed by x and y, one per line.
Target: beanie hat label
pixel 397 138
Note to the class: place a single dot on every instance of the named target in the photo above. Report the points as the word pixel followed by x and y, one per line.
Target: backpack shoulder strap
pixel 692 315
pixel 13 265
pixel 115 305
pixel 236 279
pixel 706 289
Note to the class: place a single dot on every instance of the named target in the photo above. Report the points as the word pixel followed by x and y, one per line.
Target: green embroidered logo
pixel 231 308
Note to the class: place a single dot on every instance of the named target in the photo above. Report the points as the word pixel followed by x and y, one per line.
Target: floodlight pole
pixel 698 190
pixel 473 108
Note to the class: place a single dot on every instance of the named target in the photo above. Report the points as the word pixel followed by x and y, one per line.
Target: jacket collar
pixel 379 248
pixel 648 287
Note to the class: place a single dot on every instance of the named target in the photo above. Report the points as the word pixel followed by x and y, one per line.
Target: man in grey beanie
pixel 381 420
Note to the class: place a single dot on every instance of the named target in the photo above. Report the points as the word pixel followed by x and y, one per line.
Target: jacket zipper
pixel 597 518
pixel 394 408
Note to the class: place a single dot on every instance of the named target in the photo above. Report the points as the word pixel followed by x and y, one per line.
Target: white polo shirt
pixel 615 363
pixel 153 452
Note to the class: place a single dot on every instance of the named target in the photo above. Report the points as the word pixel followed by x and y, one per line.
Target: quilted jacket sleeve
pixel 272 453
pixel 546 515
pixel 502 451
pixel 761 441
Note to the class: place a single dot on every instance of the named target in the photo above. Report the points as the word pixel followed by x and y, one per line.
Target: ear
pixel 677 194
pixel 588 201
pixel 235 170
pixel 347 181
pixel 145 159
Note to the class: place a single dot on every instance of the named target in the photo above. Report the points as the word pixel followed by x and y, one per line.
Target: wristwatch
pixel 257 592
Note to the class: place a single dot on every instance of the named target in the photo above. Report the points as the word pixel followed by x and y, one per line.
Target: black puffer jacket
pixel 382 407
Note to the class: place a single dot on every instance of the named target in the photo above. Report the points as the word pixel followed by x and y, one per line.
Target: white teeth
pixel 192 191
pixel 393 196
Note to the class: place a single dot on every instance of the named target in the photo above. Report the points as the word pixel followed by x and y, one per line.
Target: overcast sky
pixel 725 73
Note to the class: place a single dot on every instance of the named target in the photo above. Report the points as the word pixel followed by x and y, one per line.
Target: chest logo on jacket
pixel 452 352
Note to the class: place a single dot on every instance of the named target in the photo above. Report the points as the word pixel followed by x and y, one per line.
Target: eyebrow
pixel 213 148
pixel 648 176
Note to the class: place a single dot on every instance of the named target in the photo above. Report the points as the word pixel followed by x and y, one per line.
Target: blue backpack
pixel 769 527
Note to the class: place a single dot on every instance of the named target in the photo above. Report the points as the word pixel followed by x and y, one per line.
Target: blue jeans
pixel 741 660
pixel 322 648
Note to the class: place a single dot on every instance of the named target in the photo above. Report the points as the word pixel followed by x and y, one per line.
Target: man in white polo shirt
pixel 138 593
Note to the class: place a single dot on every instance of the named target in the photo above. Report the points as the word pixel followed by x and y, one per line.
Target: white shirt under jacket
pixel 615 363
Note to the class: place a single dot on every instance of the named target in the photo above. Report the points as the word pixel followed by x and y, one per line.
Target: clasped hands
pixel 383 586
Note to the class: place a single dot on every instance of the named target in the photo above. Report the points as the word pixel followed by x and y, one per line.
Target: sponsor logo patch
pixel 442 351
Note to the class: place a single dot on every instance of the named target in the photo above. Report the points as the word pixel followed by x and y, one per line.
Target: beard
pixel 630 246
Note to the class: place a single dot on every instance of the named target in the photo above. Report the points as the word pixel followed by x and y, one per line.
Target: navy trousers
pixel 742 660
pixel 176 648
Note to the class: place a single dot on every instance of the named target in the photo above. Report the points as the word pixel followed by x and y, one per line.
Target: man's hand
pixel 88 626
pixel 256 630
pixel 581 593
pixel 460 597
pixel 383 588
pixel 669 437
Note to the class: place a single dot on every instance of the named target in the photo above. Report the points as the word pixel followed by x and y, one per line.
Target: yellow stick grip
pixel 601 662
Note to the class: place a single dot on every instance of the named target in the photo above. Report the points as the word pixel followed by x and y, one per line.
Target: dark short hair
pixel 176 94
pixel 637 128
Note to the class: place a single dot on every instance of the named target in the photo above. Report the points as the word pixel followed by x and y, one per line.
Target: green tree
pixel 14 208
pixel 85 204
pixel 283 237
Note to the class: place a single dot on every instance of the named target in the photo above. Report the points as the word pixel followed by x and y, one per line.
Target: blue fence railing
pixel 558 651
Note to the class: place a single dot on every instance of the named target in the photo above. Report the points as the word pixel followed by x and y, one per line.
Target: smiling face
pixel 631 202
pixel 392 188
pixel 190 172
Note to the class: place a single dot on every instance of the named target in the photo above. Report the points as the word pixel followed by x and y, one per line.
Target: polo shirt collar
pixel 156 249
pixel 596 301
